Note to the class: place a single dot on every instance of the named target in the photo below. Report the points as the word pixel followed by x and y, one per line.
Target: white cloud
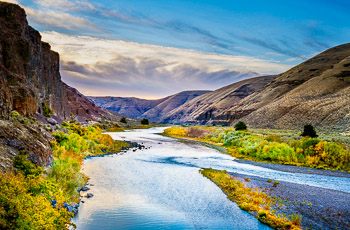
pixel 120 68
pixel 53 19
pixel 65 5
pixel 89 50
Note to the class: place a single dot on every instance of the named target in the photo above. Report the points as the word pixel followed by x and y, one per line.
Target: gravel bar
pixel 320 208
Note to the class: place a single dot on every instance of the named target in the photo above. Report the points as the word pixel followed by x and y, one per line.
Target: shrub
pixel 47 111
pixel 176 131
pixel 275 183
pixel 25 166
pixel 309 131
pixel 144 121
pixel 15 115
pixel 64 124
pixel 240 126
pixel 274 138
pixel 196 132
pixel 60 137
pixel 25 203
pixel 308 145
pixel 251 200
pixel 123 120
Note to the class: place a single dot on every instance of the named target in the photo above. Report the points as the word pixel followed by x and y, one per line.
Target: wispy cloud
pixel 54 20
pixel 272 45
pixel 141 67
pixel 80 16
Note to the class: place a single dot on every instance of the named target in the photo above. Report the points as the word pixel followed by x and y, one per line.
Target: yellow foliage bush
pixel 310 152
pixel 176 131
pixel 25 203
pixel 251 200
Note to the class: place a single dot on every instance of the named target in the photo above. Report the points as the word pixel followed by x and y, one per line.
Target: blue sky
pixel 150 48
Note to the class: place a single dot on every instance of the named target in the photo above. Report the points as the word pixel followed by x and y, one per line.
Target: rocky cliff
pixel 29 73
pixel 154 110
pixel 316 91
pixel 30 82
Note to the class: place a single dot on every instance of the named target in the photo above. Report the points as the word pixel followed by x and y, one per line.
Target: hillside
pixel 154 110
pixel 203 108
pixel 317 91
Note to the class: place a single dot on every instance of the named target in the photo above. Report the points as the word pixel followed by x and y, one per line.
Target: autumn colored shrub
pixel 256 202
pixel 25 203
pixel 87 141
pixel 310 152
pixel 176 131
pixel 25 166
pixel 196 132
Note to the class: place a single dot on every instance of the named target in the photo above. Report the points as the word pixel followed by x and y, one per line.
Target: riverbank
pixel 274 166
pixel 320 208
pixel 305 152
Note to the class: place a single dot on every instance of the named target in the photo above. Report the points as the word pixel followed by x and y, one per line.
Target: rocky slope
pixel 204 108
pixel 154 110
pixel 29 73
pixel 29 82
pixel 316 91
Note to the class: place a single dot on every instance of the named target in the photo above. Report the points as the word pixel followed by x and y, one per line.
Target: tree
pixel 240 126
pixel 309 131
pixel 144 121
pixel 123 120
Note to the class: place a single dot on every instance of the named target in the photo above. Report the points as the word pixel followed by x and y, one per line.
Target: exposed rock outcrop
pixel 29 73
pixel 30 82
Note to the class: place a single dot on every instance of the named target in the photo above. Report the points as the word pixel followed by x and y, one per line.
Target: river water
pixel 161 188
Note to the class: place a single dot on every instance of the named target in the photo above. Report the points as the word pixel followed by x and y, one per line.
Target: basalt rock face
pixel 29 73
pixel 316 91
pixel 30 79
pixel 16 137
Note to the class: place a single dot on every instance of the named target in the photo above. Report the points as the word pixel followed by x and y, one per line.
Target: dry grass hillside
pixel 316 91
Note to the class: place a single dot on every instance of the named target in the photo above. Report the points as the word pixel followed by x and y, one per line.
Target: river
pixel 160 187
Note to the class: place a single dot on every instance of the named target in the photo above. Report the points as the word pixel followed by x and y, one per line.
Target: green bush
pixel 123 120
pixel 144 121
pixel 240 126
pixel 308 146
pixel 309 131
pixel 25 166
pixel 47 111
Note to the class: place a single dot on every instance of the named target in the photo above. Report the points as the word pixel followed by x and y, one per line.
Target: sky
pixel 155 48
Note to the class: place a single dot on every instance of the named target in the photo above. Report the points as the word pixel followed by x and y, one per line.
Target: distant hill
pixel 154 110
pixel 317 91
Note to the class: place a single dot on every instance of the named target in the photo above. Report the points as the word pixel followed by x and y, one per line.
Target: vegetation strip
pixel 252 200
pixel 306 151
pixel 31 198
